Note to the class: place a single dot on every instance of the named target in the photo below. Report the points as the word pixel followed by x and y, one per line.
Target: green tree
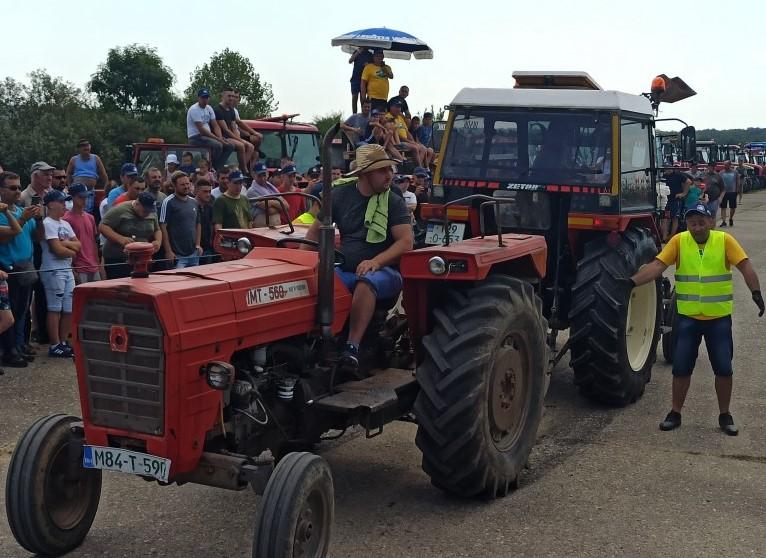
pixel 229 68
pixel 133 79
pixel 42 121
pixel 326 121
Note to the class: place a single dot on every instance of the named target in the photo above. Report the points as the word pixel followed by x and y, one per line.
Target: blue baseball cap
pixel 699 209
pixel 289 169
pixel 236 176
pixel 204 92
pixel 400 178
pixel 129 169
pixel 147 200
pixel 260 168
pixel 421 171
pixel 56 196
pixel 78 189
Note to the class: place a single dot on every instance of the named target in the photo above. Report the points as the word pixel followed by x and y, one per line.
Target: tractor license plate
pixel 125 461
pixel 435 233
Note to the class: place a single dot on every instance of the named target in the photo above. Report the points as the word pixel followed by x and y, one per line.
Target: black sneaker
pixel 723 223
pixel 672 421
pixel 349 360
pixel 726 422
pixel 731 222
pixel 14 360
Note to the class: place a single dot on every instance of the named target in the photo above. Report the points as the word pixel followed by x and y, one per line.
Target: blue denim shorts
pixel 59 285
pixel 386 282
pixel 718 340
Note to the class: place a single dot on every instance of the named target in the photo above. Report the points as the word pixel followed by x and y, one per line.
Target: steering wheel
pixel 340 258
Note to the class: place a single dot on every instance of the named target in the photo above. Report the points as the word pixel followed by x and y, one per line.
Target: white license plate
pixel 435 233
pixel 125 461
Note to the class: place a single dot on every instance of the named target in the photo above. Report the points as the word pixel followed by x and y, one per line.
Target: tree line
pixel 739 136
pixel 129 98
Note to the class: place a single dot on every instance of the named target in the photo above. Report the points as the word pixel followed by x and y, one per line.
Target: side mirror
pixel 688 137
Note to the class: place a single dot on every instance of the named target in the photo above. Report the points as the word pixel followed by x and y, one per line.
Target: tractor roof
pixel 553 99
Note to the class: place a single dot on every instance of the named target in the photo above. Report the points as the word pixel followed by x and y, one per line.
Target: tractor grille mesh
pixel 125 390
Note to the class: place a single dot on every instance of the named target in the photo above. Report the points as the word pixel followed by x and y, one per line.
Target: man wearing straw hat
pixel 375 230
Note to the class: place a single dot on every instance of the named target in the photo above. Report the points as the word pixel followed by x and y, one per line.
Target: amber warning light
pixel 658 85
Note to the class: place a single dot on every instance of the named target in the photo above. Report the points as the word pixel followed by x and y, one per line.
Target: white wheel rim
pixel 640 324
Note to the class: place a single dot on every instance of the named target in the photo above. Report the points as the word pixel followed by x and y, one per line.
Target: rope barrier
pixel 202 257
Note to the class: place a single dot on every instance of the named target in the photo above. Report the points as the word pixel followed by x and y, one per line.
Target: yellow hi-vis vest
pixel 703 283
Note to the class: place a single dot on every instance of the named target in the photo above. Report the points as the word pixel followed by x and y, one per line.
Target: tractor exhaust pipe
pixel 326 295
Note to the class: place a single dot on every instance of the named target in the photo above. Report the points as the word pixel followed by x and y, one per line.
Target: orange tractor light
pixel 155 140
pixel 658 85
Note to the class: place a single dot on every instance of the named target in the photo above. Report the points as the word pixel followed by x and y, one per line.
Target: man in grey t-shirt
pixel 732 187
pixel 203 130
pixel 180 224
pixel 356 124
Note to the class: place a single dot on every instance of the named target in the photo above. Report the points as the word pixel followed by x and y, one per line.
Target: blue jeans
pixel 386 282
pixel 720 346
pixel 187 261
pixel 219 151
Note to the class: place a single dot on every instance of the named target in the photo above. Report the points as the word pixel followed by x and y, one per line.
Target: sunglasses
pixel 12 188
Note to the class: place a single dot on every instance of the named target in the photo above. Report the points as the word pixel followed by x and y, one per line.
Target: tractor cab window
pixel 530 147
pixel 303 149
pixel 636 188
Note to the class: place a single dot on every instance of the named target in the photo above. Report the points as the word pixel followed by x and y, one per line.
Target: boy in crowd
pixel 86 261
pixel 58 249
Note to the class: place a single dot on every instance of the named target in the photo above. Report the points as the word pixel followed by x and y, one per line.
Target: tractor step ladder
pixel 374 401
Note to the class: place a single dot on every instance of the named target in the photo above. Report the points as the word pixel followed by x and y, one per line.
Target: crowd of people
pixel 717 190
pixel 385 121
pixel 54 235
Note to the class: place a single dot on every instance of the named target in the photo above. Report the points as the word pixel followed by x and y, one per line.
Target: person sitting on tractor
pixel 375 231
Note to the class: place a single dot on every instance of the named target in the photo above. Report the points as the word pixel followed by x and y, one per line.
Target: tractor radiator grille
pixel 125 389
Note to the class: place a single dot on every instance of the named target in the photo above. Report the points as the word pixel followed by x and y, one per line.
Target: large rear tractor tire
pixel 614 331
pixel 50 501
pixel 482 386
pixel 297 510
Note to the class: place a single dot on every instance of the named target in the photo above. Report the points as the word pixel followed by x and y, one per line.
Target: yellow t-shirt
pixel 401 125
pixel 377 81
pixel 735 254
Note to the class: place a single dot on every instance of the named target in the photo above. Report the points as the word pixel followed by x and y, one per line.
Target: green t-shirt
pixel 232 213
pixel 124 220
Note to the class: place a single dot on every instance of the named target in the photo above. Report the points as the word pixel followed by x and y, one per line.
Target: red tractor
pixel 577 165
pixel 227 374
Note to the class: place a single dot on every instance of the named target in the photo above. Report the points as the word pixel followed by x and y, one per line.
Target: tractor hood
pixel 268 295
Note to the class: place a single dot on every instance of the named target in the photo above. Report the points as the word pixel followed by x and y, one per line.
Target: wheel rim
pixel 311 529
pixel 509 391
pixel 67 498
pixel 640 324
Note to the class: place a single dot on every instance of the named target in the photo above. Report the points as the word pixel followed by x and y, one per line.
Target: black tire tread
pixel 450 405
pixel 597 315
pixel 272 522
pixel 20 508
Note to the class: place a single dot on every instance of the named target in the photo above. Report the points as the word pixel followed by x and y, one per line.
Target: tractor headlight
pixel 437 265
pixel 244 245
pixel 218 375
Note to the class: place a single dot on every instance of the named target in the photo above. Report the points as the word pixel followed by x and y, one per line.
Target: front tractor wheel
pixel 50 498
pixel 482 386
pixel 614 331
pixel 297 510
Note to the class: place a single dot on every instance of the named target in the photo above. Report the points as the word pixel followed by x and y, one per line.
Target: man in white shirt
pixel 203 130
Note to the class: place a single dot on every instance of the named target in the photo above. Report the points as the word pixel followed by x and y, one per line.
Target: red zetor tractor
pixel 225 374
pixel 577 166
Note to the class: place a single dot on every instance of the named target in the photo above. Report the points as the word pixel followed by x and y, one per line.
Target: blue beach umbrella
pixel 395 44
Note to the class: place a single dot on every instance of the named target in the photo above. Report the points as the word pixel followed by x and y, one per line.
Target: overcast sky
pixel 716 47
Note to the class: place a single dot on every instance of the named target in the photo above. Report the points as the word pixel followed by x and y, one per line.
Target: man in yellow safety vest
pixel 704 292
